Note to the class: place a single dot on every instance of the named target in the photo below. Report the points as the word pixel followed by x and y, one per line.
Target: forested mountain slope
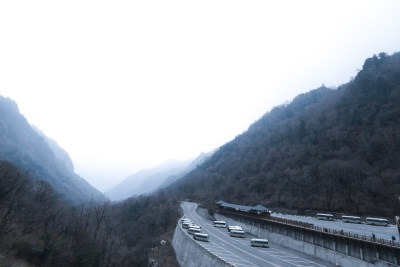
pixel 38 228
pixel 329 150
pixel 26 148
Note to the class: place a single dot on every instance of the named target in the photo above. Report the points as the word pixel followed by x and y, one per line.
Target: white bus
pixel 192 231
pixel 237 233
pixel 377 221
pixel 220 224
pixel 187 225
pixel 254 242
pixel 230 228
pixel 351 219
pixel 201 237
pixel 324 216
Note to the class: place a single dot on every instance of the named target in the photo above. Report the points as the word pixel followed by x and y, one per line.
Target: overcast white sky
pixel 125 85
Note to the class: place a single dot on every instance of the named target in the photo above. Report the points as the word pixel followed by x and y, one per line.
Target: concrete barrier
pixel 189 252
pixel 342 251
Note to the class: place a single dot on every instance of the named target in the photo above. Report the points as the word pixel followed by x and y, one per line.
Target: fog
pixel 123 86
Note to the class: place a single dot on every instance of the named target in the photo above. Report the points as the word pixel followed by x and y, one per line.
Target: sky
pixel 126 85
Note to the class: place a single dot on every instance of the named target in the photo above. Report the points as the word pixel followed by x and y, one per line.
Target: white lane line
pixel 230 253
pixel 300 258
pixel 233 257
pixel 228 256
pixel 284 256
pixel 294 262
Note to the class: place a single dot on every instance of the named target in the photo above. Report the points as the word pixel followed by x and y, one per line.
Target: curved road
pixel 238 251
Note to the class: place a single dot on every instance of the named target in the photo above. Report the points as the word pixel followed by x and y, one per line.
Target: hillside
pixel 191 166
pixel 328 150
pixel 150 180
pixel 58 151
pixel 23 146
pixel 145 181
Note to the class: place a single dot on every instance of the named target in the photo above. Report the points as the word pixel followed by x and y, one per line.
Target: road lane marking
pixel 270 253
pixel 305 260
pixel 234 245
pixel 232 257
pixel 278 254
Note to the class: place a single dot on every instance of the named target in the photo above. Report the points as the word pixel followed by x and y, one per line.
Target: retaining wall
pixel 339 250
pixel 191 253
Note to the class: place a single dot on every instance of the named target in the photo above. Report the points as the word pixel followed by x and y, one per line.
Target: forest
pixel 335 150
pixel 39 228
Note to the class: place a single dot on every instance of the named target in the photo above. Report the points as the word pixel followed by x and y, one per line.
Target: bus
pixel 201 237
pixel 187 225
pixel 254 242
pixel 324 216
pixel 220 224
pixel 377 221
pixel 236 233
pixel 230 228
pixel 351 219
pixel 192 231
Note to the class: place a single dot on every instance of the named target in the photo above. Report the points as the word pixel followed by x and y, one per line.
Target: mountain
pixel 24 147
pixel 58 151
pixel 328 150
pixel 192 165
pixel 150 180
pixel 145 181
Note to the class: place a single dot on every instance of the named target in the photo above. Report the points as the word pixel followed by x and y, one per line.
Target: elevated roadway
pixel 385 232
pixel 238 251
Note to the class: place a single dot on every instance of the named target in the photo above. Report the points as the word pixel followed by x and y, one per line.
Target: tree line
pixel 335 150
pixel 40 228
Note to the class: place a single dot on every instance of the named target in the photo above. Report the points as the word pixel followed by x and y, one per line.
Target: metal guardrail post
pixel 314 228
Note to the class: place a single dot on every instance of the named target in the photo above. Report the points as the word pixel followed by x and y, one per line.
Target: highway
pixel 385 232
pixel 238 251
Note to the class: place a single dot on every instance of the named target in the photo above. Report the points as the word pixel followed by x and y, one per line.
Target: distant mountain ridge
pixel 191 166
pixel 24 147
pixel 144 181
pixel 150 180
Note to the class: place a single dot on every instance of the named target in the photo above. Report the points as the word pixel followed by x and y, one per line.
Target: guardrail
pixel 200 246
pixel 310 226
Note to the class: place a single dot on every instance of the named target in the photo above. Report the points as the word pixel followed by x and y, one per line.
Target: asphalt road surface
pixel 238 251
pixel 385 232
